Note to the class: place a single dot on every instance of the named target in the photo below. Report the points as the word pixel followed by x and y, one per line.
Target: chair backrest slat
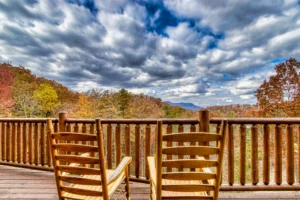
pixel 75 147
pixel 74 136
pixel 191 137
pixel 188 187
pixel 190 150
pixel 79 180
pixel 189 163
pixel 78 170
pixel 81 191
pixel 188 175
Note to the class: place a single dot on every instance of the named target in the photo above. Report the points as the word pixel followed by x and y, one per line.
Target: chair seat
pixel 111 187
pixel 183 195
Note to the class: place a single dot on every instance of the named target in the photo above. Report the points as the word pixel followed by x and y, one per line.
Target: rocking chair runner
pixel 187 184
pixel 76 176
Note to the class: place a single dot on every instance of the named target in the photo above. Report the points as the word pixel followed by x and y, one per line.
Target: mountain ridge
pixel 188 106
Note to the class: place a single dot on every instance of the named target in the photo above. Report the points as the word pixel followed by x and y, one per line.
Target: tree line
pixel 22 94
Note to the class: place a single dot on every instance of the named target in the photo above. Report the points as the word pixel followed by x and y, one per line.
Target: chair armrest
pixel 121 167
pixel 152 169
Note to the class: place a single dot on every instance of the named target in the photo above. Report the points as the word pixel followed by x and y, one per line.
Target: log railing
pixel 273 139
pixel 260 152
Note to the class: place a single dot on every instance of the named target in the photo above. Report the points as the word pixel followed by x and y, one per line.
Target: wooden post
pixel 230 149
pixel 109 146
pixel 204 125
pixel 290 178
pixel 203 120
pixel 169 144
pixel 147 150
pixel 278 154
pixel 266 156
pixel 254 154
pixel 243 154
pixel 118 144
pixel 62 116
pixel 298 153
pixel 137 150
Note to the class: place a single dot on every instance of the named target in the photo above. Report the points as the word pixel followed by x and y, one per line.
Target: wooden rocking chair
pixel 76 157
pixel 191 177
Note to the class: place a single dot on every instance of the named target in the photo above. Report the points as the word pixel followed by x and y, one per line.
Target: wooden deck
pixel 20 184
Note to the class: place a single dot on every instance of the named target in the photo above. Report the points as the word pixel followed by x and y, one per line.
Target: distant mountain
pixel 188 106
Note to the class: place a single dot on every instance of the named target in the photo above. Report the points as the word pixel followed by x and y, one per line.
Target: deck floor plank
pixel 27 184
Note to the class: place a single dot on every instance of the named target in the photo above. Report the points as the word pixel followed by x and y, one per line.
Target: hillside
pixel 23 94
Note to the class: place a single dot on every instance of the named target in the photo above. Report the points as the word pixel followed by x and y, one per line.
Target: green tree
pixel 123 97
pixel 47 99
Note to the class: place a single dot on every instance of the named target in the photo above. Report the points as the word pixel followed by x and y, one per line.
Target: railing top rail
pixel 135 121
pixel 257 120
pixel 26 120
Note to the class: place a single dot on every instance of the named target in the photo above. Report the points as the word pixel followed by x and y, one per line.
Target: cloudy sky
pixel 200 51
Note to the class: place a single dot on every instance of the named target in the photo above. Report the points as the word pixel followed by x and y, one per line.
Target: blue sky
pixel 204 52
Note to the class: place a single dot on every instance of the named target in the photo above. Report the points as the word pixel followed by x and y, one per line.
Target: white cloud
pixel 221 60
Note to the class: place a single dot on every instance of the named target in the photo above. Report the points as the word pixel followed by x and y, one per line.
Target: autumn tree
pixel 6 81
pixel 143 106
pixel 280 95
pixel 47 99
pixel 25 104
pixel 83 108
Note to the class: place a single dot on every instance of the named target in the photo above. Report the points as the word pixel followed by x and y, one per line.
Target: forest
pixel 23 94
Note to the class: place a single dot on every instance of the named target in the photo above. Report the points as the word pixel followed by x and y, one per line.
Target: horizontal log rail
pixel 261 153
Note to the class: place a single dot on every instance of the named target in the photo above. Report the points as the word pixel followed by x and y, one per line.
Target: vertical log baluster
pixel 24 134
pixel 30 143
pixel 230 149
pixel 278 154
pixel 8 145
pixel 83 130
pixel 109 146
pixel 48 150
pixel 127 142
pixel 118 144
pixel 193 129
pixel 218 128
pixel 92 132
pixel 290 178
pixel 76 129
pixel 3 156
pixel 169 144
pixel 243 154
pixel 13 142
pixel 180 130
pixel 19 139
pixel 254 154
pixel 1 139
pixel 266 156
pixel 147 150
pixel 137 150
pixel 42 144
pixel 68 129
pixel 298 153
pixel 36 144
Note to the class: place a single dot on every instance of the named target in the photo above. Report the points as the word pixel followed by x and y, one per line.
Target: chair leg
pixel 127 183
pixel 150 189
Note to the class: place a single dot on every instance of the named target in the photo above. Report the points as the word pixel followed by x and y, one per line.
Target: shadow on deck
pixel 19 183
